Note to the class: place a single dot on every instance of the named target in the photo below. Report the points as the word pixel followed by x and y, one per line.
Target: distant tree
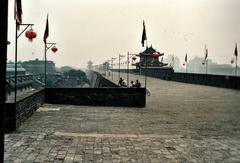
pixel 66 68
pixel 78 74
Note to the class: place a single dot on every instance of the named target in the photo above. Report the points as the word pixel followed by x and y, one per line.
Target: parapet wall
pixel 17 113
pixel 224 81
pixel 232 82
pixel 127 97
pixel 98 81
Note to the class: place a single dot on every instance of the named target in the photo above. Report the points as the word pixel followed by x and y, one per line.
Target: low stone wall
pixel 208 79
pixel 98 81
pixel 162 73
pixel 127 97
pixel 132 71
pixel 17 113
pixel 232 82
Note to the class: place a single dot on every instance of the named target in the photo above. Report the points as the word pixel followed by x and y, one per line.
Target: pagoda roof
pixel 150 50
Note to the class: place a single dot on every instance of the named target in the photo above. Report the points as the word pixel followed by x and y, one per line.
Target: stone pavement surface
pixel 181 123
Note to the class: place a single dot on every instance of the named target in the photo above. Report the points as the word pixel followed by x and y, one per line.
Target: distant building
pixel 65 68
pixel 195 66
pixel 173 61
pixel 37 66
pixel 11 70
pixel 90 65
pixel 146 58
pixel 221 69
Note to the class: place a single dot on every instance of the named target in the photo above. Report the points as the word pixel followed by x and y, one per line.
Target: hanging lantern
pixel 134 58
pixel 183 64
pixel 54 49
pixel 155 55
pixel 30 34
pixel 232 61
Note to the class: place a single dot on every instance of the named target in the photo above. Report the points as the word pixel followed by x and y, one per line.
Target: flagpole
pixel 236 67
pixel 206 66
pixel 173 62
pixel 46 48
pixel 128 69
pixel 112 69
pixel 119 67
pixel 45 65
pixel 146 71
pixel 15 74
pixel 112 66
pixel 186 66
pixel 186 62
pixel 16 53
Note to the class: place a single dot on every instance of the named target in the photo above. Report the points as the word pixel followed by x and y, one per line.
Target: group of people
pixel 135 84
pixel 123 83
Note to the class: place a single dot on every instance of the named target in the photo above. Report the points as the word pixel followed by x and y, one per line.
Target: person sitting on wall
pixel 120 81
pixel 124 83
pixel 137 84
pixel 132 84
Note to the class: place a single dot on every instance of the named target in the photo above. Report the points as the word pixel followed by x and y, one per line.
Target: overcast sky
pixel 100 29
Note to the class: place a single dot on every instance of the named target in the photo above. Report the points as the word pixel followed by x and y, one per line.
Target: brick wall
pixel 127 97
pixel 16 114
pixel 225 81
pixel 98 81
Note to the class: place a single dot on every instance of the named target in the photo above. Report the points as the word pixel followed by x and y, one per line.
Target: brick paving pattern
pixel 181 123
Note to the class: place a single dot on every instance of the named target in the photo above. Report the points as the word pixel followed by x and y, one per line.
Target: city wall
pixel 104 93
pixel 99 81
pixel 125 97
pixel 224 81
pixel 17 113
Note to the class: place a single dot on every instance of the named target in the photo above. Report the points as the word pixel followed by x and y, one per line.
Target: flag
pixel 162 59
pixel 144 35
pixel 18 12
pixel 236 51
pixel 46 33
pixel 186 57
pixel 206 54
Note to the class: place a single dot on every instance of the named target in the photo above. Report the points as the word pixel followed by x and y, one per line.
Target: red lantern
pixel 30 34
pixel 155 55
pixel 134 58
pixel 54 49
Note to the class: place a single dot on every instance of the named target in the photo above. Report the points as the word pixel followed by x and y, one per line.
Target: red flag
pixel 144 35
pixel 18 12
pixel 46 33
pixel 236 51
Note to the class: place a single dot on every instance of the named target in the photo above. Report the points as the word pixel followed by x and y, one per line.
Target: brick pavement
pixel 181 123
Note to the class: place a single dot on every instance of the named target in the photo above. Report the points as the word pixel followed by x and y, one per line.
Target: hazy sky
pixel 100 29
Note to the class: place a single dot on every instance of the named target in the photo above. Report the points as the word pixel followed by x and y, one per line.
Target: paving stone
pixel 181 123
